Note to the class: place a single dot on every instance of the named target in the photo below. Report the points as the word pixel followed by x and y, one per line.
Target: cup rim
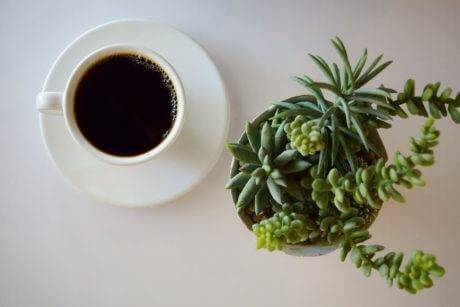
pixel 80 70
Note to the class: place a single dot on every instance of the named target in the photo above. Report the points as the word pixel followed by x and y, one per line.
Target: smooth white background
pixel 59 248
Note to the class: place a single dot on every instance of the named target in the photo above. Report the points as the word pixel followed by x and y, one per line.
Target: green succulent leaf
pixel 310 113
pixel 348 154
pixel 294 189
pixel 249 168
pixel 238 181
pixel 373 91
pixel 266 138
pixel 261 200
pixel 275 190
pixel 359 129
pixel 242 153
pixel 309 105
pixel 253 136
pixel 286 105
pixel 300 98
pixel 280 138
pixel 341 50
pixel 296 166
pixel 247 194
pixel 360 64
pixel 285 157
pixel 323 67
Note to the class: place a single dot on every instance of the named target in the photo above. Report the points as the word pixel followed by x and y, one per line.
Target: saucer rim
pixel 204 173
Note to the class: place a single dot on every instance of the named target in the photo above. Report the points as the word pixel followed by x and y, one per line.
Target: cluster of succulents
pixel 305 136
pixel 312 170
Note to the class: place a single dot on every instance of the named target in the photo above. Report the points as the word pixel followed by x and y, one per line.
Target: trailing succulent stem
pixel 307 171
pixel 375 184
pixel 429 103
pixel 348 229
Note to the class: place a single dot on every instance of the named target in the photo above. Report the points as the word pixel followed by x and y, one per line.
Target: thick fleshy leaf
pixel 280 138
pixel 249 168
pixel 285 157
pixel 344 251
pixel 266 138
pixel 259 172
pixel 294 190
pixel 427 93
pixel 420 106
pixel 242 153
pixel 262 154
pixel 281 182
pixel 409 88
pixel 247 194
pixel 275 190
pixel 253 136
pixel 367 269
pixel 238 181
pixel 296 167
pixel 434 110
pixel 454 113
pixel 261 200
pixel 372 249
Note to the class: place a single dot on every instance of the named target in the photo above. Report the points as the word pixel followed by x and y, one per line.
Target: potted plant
pixel 310 174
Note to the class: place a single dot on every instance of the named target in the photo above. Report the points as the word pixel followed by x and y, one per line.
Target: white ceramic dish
pixel 185 163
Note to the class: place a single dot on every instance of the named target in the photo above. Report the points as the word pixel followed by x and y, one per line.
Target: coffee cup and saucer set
pixel 134 113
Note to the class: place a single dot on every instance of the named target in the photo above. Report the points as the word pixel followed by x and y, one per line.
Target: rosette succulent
pixel 305 136
pixel 265 167
pixel 312 170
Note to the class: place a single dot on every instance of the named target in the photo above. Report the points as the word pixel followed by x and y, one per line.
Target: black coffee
pixel 125 105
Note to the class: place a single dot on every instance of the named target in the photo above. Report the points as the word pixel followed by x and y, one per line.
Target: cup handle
pixel 50 102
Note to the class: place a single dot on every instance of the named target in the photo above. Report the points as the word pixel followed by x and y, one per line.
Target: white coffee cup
pixel 62 103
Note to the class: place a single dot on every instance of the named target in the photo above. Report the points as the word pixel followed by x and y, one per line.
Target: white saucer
pixel 186 162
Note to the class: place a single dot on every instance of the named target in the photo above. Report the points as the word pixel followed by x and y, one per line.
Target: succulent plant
pixel 266 168
pixel 312 169
pixel 305 136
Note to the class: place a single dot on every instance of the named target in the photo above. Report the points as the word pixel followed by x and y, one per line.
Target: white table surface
pixel 60 248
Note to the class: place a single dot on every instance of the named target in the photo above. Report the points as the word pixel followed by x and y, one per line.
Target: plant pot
pixel 305 250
